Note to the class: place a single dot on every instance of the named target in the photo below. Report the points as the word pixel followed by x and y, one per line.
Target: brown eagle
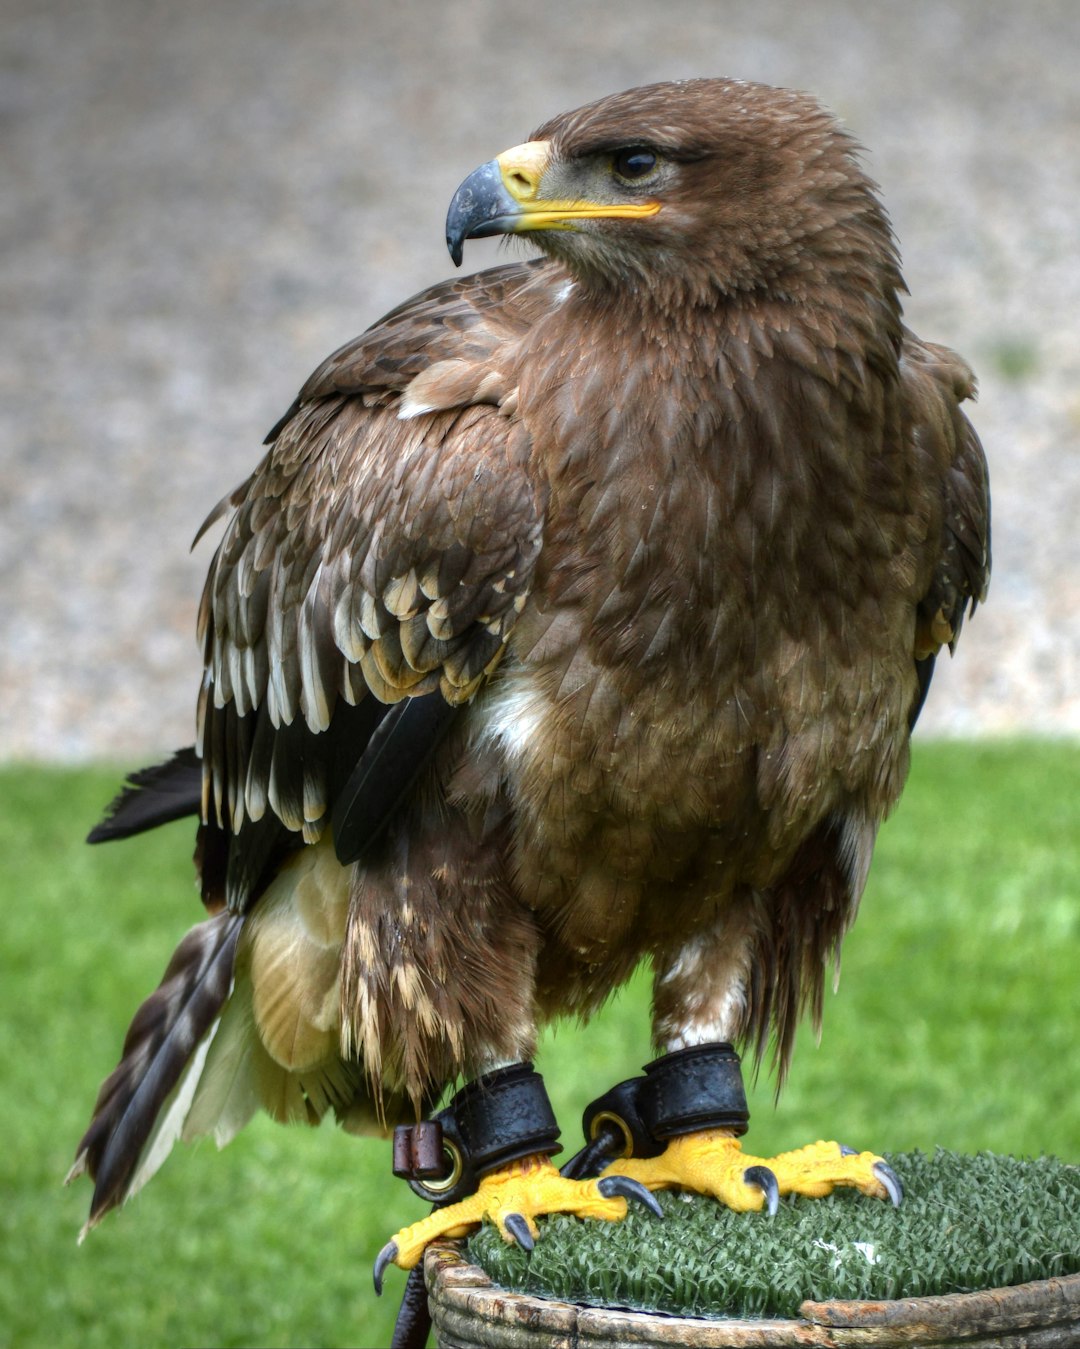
pixel 577 615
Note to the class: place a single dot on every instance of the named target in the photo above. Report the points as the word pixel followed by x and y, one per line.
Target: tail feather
pixel 227 1095
pixel 152 796
pixel 169 1028
pixel 247 1017
pixel 172 1118
pixel 278 1047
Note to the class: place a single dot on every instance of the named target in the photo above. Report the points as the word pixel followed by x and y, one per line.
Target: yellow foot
pixel 512 1198
pixel 712 1162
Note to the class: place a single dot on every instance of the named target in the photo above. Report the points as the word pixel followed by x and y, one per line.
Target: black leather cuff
pixel 682 1092
pixel 692 1089
pixel 492 1121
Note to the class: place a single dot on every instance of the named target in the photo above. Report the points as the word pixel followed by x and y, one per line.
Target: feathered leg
pixel 688 1131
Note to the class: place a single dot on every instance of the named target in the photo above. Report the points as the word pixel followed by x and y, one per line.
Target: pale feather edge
pixel 172 1116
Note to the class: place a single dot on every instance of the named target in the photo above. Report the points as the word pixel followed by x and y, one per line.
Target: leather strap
pixel 494 1120
pixel 680 1093
pixel 693 1089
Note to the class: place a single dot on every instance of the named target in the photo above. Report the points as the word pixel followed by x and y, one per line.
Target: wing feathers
pixel 935 380
pixel 368 563
pixel 396 753
pixel 367 557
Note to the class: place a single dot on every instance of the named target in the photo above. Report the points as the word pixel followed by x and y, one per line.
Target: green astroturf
pixel 966 1223
pixel 955 1024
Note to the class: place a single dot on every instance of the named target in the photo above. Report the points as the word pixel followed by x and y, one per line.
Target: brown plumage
pixel 585 605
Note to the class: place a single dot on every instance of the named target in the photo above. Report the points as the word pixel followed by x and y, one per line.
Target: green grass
pixel 955 1025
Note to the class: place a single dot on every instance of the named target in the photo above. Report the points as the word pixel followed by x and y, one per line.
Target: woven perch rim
pixel 462 1296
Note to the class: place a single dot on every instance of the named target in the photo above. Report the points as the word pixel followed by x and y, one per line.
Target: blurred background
pixel 198 202
pixel 201 200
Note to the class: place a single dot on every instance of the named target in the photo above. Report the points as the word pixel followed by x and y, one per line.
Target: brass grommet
pixel 609 1117
pixel 453 1155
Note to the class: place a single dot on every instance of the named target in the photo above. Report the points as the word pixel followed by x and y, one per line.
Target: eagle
pixel 577 616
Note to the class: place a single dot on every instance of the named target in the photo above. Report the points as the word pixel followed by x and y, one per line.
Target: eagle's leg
pixel 498 1134
pixel 685 1116
pixel 681 1124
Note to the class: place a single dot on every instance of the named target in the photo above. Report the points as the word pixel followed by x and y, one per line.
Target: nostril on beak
pixel 522 185
pixel 522 168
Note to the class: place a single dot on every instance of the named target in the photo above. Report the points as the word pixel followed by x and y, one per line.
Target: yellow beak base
pixel 503 197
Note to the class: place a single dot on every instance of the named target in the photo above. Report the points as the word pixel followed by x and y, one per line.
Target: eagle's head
pixel 687 191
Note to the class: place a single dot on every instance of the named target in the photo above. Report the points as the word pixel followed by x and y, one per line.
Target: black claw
pixel 766 1182
pixel 594 1156
pixel 845 1151
pixel 891 1181
pixel 384 1258
pixel 518 1228
pixel 627 1188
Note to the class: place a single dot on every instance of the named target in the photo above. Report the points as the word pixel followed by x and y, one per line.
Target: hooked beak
pixel 503 197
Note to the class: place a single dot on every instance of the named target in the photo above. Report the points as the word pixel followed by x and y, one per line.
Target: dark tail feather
pixel 161 1039
pixel 152 796
pixel 924 669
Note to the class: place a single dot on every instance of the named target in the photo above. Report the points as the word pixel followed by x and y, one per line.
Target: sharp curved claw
pixel 626 1188
pixel 766 1182
pixel 518 1228
pixel 891 1181
pixel 845 1151
pixel 385 1257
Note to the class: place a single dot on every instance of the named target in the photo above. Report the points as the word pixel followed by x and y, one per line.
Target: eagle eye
pixel 634 164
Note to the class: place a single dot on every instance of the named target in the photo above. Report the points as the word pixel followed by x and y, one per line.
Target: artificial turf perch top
pixel 967 1223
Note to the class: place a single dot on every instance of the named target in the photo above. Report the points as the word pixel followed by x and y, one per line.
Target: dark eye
pixel 634 163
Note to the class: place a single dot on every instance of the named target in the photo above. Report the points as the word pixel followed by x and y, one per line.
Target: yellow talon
pixel 815 1170
pixel 709 1162
pixel 712 1162
pixel 512 1198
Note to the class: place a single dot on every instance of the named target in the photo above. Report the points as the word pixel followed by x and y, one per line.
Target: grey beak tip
pixel 481 207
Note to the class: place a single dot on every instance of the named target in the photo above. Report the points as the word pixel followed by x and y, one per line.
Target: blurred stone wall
pixel 199 201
